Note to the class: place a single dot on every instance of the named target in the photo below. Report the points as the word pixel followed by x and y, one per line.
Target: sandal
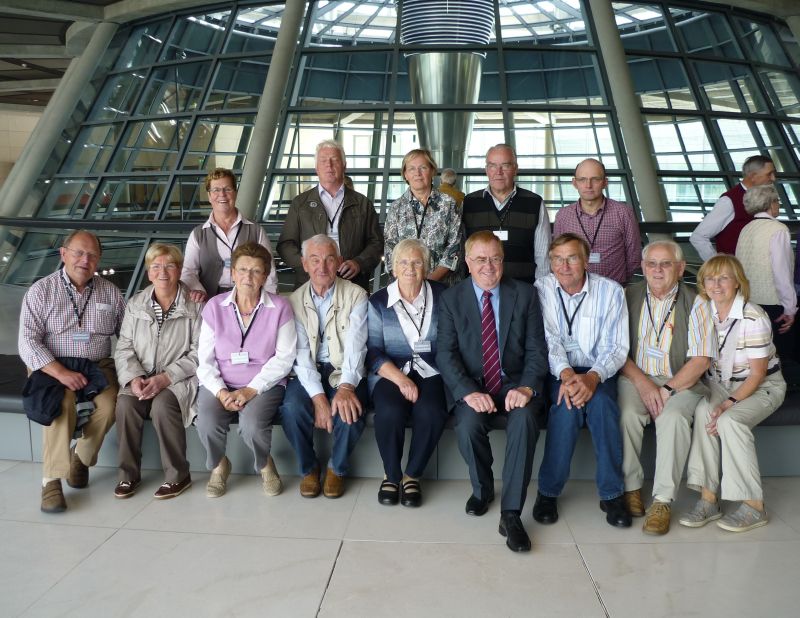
pixel 389 493
pixel 412 494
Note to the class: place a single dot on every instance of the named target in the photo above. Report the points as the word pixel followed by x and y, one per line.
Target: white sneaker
pixel 701 513
pixel 743 519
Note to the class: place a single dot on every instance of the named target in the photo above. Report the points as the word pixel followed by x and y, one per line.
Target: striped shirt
pixel 161 315
pixel 750 328
pixel 49 329
pixel 599 329
pixel 701 337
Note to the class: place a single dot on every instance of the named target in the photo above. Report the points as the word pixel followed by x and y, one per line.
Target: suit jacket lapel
pixel 472 312
pixel 508 297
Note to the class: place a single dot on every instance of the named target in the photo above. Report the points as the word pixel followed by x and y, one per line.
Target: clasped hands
pixel 577 388
pixel 147 388
pixel 234 401
pixel 345 403
pixel 484 403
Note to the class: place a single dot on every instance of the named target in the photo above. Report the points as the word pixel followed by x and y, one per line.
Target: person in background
pixel 448 185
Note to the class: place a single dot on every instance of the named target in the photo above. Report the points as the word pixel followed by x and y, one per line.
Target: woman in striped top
pixel 746 386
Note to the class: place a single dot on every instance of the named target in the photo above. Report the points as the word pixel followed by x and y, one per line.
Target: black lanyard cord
pixel 569 319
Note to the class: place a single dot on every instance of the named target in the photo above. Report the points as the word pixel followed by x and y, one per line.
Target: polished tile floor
pixel 249 555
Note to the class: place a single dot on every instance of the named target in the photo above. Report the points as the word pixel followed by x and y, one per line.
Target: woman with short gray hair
pixel 771 280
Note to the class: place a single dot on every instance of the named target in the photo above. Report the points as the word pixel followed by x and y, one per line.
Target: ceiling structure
pixel 35 50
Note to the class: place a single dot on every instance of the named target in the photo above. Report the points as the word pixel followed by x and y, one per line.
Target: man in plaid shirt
pixel 72 313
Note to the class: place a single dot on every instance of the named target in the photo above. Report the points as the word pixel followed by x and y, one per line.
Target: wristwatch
pixel 669 389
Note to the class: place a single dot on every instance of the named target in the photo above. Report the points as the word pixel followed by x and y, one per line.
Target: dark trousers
pixel 428 417
pixel 473 430
pixel 785 344
pixel 165 411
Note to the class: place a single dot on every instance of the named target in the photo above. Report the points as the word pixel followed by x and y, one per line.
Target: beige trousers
pixel 733 453
pixel 673 436
pixel 57 437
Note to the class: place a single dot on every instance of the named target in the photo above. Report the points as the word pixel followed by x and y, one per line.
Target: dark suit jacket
pixel 523 351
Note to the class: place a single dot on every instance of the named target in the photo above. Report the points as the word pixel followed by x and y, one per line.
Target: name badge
pixel 572 346
pixel 422 346
pixel 240 358
pixel 80 337
pixel 501 234
pixel 656 353
pixel 103 307
pixel 594 258
pixel 227 263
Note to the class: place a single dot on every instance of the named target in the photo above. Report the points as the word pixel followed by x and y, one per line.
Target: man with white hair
pixel 448 186
pixel 341 213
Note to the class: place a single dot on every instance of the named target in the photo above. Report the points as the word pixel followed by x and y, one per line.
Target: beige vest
pixel 346 295
pixel 753 251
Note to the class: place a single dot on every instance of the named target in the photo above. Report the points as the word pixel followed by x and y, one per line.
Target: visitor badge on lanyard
pixel 571 345
pixel 240 358
pixel 656 353
pixel 80 336
pixel 501 234
pixel 422 346
pixel 227 262
pixel 594 257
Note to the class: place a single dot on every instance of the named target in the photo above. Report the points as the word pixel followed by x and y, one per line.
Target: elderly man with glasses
pixel 672 344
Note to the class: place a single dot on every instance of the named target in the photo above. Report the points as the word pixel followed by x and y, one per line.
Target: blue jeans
pixel 601 416
pixel 297 414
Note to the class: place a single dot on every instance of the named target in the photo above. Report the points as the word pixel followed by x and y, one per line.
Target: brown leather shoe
pixel 633 502
pixel 334 485
pixel 53 498
pixel 657 520
pixel 172 490
pixel 78 473
pixel 309 486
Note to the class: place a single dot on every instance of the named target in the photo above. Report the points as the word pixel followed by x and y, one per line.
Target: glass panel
pixel 175 89
pixel 705 33
pixel 92 149
pixel 661 83
pixel 67 198
pixel 790 42
pixel 362 134
pixel 143 45
pixel 488 130
pixel 219 142
pixel 729 87
pixel 196 35
pixel 642 27
pixel 745 138
pixel 759 42
pixel 784 90
pixel 792 131
pixel 118 96
pixel 341 23
pixel 552 22
pixel 350 77
pixel 561 140
pixel 255 29
pixel 239 84
pixel 553 77
pixel 150 146
pixel 128 198
pixel 188 199
pixel 680 143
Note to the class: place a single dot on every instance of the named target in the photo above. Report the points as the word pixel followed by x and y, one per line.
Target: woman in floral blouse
pixel 424 213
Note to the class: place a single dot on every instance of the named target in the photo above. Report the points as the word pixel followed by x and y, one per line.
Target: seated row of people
pixel 481 349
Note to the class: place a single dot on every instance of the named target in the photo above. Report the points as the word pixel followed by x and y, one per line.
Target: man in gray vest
pixel 207 262
pixel 671 346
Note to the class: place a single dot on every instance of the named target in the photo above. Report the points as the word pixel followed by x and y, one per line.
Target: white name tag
pixel 594 258
pixel 103 307
pixel 80 337
pixel 227 263
pixel 656 353
pixel 572 346
pixel 240 358
pixel 422 346
pixel 501 234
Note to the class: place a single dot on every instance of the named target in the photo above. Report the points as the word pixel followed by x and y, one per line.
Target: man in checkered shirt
pixel 72 313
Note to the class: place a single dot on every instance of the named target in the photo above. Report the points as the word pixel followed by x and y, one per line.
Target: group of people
pixel 541 332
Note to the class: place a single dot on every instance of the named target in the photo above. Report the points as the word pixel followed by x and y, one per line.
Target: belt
pixel 774 369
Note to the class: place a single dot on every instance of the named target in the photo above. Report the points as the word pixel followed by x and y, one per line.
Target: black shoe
pixel 412 494
pixel 511 528
pixel 616 513
pixel 389 493
pixel 545 510
pixel 476 506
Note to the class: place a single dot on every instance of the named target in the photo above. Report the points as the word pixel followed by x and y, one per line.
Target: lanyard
pixel 224 241
pixel 597 229
pixel 725 340
pixel 424 306
pixel 246 331
pixel 79 314
pixel 424 212
pixel 666 318
pixel 336 214
pixel 503 214
pixel 569 319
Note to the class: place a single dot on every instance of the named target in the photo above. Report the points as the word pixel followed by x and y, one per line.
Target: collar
pixel 433 199
pixel 210 221
pixel 393 291
pixel 764 215
pixel 339 191
pixel 736 312
pixel 487 192
pixel 265 299
pixel 670 295
pixel 154 302
pixel 479 290
pixel 328 295
pixel 68 281
pixel 582 213
pixel 584 289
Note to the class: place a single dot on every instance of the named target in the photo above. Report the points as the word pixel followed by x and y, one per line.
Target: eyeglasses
pixel 413 263
pixel 255 272
pixel 157 268
pixel 418 168
pixel 218 190
pixel 721 280
pixel 493 167
pixel 483 260
pixel 663 264
pixel 570 259
pixel 594 180
pixel 79 254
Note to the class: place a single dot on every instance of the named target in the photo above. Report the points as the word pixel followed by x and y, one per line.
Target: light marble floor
pixel 249 555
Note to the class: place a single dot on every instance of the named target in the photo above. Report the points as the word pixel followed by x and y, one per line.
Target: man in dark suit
pixel 493 358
